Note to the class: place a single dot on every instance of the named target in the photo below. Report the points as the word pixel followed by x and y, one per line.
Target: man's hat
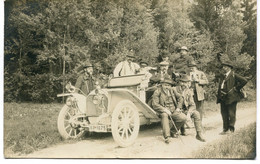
pixel 130 56
pixel 164 63
pixel 143 63
pixel 192 64
pixel 229 64
pixel 87 64
pixel 185 78
pixel 184 48
pixel 167 80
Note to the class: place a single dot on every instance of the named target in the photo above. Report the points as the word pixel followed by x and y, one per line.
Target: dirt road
pixel 150 143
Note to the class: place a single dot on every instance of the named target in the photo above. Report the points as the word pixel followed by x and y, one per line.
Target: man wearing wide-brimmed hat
pixel 180 63
pixel 167 103
pixel 230 85
pixel 127 67
pixel 198 81
pixel 189 106
pixel 86 81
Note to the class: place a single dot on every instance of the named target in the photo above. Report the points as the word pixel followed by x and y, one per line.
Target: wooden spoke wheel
pixel 125 123
pixel 66 123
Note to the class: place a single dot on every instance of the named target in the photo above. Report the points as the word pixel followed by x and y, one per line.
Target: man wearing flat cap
pixel 198 81
pixel 127 67
pixel 228 96
pixel 189 106
pixel 163 72
pixel 167 103
pixel 86 81
pixel 180 64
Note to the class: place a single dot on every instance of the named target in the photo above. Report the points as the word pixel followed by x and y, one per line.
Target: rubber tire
pixel 61 124
pixel 114 124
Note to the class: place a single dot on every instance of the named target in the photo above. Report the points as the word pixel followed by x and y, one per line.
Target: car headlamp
pixel 69 101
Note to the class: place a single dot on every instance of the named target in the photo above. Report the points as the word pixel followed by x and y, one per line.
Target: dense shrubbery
pixel 47 41
pixel 38 88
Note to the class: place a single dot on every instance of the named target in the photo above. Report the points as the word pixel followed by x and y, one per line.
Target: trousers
pixel 228 113
pixel 199 106
pixel 178 118
pixel 197 121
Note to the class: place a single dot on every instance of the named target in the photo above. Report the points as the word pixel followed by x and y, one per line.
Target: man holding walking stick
pixel 167 103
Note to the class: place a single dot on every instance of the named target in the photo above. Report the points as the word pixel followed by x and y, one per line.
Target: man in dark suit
pixel 86 81
pixel 230 85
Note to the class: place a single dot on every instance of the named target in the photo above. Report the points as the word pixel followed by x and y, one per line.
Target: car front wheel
pixel 125 123
pixel 66 123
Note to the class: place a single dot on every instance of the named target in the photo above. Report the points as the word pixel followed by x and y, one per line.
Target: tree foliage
pixel 47 41
pixel 249 45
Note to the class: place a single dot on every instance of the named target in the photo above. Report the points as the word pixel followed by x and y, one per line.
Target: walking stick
pixel 176 129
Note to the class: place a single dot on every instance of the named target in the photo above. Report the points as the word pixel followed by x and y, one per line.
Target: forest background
pixel 46 42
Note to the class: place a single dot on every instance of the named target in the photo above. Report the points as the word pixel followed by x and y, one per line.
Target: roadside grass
pixel 29 127
pixel 240 145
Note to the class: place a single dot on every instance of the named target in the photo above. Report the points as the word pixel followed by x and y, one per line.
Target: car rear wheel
pixel 66 123
pixel 125 123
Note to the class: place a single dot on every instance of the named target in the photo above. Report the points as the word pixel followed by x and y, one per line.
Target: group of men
pixel 178 94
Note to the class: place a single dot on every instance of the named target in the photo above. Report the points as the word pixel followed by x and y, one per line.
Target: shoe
pixel 184 134
pixel 167 140
pixel 225 132
pixel 175 135
pixel 200 138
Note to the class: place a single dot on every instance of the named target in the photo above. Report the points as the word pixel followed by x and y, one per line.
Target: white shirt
pixel 125 68
pixel 226 75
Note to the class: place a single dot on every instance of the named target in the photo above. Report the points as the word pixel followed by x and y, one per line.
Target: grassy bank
pixel 29 127
pixel 241 144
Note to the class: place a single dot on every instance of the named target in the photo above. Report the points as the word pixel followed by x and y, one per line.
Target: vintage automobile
pixel 119 108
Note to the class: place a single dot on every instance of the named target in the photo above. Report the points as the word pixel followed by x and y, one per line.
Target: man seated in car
pixel 162 73
pixel 127 67
pixel 155 80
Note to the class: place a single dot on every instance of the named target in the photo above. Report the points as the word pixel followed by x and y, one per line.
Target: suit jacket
pixel 198 87
pixel 181 63
pixel 159 99
pixel 188 100
pixel 85 83
pixel 232 85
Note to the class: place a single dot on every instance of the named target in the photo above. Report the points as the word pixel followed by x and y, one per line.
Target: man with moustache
pixel 228 96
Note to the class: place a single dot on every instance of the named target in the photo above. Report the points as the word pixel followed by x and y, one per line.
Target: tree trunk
pixel 63 69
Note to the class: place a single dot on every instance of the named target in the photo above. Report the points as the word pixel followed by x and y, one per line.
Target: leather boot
pixel 200 137
pixel 183 131
pixel 167 140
